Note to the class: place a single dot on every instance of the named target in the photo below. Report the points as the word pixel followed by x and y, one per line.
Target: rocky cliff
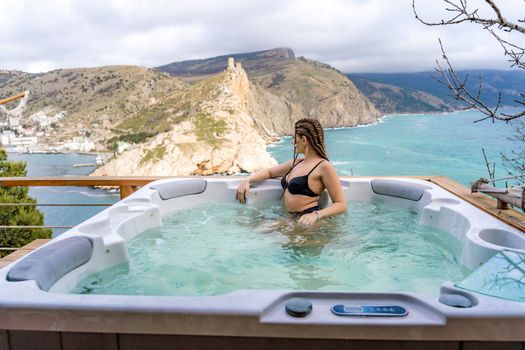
pixel 222 124
pixel 294 87
pixel 214 132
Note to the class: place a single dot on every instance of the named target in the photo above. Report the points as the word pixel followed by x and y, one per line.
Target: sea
pixel 448 144
pixel 63 164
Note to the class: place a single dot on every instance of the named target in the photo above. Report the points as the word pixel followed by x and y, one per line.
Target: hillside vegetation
pixel 102 95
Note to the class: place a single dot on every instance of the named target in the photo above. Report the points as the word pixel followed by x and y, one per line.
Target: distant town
pixel 37 134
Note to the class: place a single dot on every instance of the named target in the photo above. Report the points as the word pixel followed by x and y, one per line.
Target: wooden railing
pixel 126 184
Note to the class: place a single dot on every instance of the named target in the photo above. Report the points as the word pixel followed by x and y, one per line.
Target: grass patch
pixel 207 89
pixel 207 129
pixel 134 138
pixel 153 155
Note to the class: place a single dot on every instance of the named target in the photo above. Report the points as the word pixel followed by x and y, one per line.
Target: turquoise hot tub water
pixel 213 249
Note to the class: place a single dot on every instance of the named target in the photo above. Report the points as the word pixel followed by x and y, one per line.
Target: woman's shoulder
pixel 326 165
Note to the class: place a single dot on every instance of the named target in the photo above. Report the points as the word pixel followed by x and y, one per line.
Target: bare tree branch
pixel 458 87
pixel 458 90
pixel 503 23
pixel 487 164
pixel 461 14
pixel 515 52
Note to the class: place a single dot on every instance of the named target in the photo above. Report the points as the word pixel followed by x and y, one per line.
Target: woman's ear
pixel 303 140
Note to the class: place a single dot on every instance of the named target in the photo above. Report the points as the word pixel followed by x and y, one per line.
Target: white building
pixel 40 118
pixel 21 144
pixel 29 131
pixel 43 120
pixel 123 146
pixel 80 144
pixel 6 136
pixel 13 122
pixel 58 116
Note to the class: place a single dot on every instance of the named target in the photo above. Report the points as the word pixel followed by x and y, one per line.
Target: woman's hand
pixel 242 191
pixel 309 219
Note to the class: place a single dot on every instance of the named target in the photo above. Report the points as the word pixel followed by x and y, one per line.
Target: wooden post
pixel 502 205
pixel 126 191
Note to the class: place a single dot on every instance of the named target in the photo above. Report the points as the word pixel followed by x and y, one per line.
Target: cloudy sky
pixel 351 35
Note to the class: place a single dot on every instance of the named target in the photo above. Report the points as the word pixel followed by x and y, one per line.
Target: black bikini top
pixel 299 184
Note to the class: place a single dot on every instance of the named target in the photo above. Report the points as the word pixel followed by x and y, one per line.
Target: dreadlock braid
pixel 313 131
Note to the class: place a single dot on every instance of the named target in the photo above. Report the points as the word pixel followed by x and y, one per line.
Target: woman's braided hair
pixel 313 131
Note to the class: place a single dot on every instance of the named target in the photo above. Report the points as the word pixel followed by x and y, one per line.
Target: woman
pixel 305 178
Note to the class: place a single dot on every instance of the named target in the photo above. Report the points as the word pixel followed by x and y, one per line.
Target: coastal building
pixel 6 136
pixel 20 143
pixel 29 131
pixel 24 141
pixel 13 122
pixel 40 118
pixel 80 144
pixel 58 116
pixel 123 146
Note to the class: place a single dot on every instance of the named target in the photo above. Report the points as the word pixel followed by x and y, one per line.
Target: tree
pixel 508 35
pixel 18 215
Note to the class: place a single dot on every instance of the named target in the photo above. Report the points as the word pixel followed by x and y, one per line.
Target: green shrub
pixel 18 215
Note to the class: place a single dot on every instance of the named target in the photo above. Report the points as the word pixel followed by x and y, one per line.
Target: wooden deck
pixel 509 216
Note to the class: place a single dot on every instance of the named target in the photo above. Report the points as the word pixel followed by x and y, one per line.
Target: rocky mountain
pixel 308 88
pixel 216 119
pixel 221 124
pixel 199 69
pixel 420 92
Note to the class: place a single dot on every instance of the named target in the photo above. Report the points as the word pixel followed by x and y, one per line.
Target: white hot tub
pixel 38 285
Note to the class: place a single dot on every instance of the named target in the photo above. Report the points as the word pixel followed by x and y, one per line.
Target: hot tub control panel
pixel 369 310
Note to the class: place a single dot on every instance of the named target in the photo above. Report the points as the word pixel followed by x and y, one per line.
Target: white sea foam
pixel 380 120
pixel 275 144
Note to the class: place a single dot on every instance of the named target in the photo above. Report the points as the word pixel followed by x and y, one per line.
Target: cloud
pixel 352 35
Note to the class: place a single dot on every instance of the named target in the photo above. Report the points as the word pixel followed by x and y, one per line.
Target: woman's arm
pixel 261 175
pixel 335 190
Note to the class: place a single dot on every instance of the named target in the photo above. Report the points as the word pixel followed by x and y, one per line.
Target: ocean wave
pixel 275 144
pixel 339 162
pixel 380 120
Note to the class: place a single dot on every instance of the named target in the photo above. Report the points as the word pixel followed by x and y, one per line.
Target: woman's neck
pixel 310 154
